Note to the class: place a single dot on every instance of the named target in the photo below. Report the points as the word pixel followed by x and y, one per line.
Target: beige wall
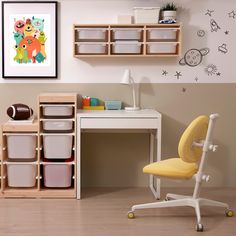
pixel 117 160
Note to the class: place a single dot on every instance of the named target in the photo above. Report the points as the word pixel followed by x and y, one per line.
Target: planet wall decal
pixel 193 57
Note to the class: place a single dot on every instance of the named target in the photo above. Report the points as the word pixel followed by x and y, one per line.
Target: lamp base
pixel 132 108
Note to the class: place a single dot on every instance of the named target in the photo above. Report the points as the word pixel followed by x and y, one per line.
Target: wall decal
pixel 226 32
pixel 223 48
pixel 196 79
pixel 218 74
pixel 209 12
pixel 211 69
pixel 178 74
pixel 201 33
pixel 184 90
pixel 164 72
pixel 232 14
pixel 214 26
pixel 193 57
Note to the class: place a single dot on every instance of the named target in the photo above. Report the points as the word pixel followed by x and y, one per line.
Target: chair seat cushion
pixel 172 168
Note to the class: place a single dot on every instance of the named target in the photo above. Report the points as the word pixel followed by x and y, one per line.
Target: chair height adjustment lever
pixel 213 147
pixel 206 178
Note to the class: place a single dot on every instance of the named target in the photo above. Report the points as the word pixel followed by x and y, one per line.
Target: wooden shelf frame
pixel 144 40
pixel 39 191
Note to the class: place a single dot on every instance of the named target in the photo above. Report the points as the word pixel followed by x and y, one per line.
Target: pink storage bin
pixel 57 174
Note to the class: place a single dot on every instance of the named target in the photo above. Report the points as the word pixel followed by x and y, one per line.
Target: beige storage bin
pixel 134 34
pixel 127 48
pixel 91 34
pixel 92 48
pixel 57 146
pixel 144 15
pixel 21 174
pixel 57 175
pixel 157 34
pixel 57 111
pixel 57 125
pixel 162 48
pixel 21 146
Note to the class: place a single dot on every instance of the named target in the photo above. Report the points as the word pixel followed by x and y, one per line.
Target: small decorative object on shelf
pixel 169 11
pixel 19 112
pixel 113 105
pixel 93 107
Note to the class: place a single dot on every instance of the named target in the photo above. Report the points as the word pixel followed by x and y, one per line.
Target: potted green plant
pixel 169 11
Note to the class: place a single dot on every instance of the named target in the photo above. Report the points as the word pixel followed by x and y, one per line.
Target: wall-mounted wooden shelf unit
pixel 134 40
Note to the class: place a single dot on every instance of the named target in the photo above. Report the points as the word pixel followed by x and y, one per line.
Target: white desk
pixel 118 120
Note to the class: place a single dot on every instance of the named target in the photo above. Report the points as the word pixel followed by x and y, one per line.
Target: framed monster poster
pixel 29 39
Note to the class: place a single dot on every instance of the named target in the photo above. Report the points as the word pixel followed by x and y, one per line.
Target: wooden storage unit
pixel 105 43
pixel 18 129
pixel 36 128
pixel 65 100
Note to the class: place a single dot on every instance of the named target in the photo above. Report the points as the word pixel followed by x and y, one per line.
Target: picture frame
pixel 29 39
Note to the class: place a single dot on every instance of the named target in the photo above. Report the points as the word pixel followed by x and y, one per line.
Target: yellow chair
pixel 194 144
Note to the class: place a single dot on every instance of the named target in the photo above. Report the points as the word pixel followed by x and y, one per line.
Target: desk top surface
pixel 143 113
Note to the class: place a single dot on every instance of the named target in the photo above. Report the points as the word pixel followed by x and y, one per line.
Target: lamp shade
pixel 126 77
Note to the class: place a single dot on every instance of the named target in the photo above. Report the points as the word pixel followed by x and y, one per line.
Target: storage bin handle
pixel 20 134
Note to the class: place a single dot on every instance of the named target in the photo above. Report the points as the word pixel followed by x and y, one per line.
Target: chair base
pixel 175 200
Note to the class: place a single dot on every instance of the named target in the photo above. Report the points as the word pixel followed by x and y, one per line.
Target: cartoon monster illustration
pixel 43 52
pixel 19 26
pixel 36 33
pixel 18 37
pixel 28 31
pixel 42 38
pixel 21 55
pixel 32 46
pixel 38 23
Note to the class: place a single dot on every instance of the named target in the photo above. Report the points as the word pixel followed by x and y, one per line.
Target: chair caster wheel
pixel 131 215
pixel 229 213
pixel 199 228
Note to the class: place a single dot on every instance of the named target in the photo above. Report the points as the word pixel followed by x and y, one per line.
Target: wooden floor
pixel 102 212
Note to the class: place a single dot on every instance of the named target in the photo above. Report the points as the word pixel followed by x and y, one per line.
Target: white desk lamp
pixel 128 80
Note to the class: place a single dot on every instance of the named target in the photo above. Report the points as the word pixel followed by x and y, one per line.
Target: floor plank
pixel 102 212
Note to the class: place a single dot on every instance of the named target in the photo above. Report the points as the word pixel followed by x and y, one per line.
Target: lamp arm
pixel 133 88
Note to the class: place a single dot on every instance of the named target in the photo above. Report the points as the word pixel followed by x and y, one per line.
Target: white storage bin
pixel 57 175
pixel 59 125
pixel 144 15
pixel 21 146
pixel 21 175
pixel 153 48
pixel 126 48
pixel 161 34
pixel 57 111
pixel 57 146
pixel 92 48
pixel 127 34
pixel 91 34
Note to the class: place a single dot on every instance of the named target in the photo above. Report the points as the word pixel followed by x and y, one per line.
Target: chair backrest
pixel 195 132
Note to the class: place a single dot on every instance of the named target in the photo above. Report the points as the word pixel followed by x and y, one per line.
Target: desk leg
pixel 154 183
pixel 78 160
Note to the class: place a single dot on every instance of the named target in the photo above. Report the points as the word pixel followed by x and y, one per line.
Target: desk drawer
pixel 119 123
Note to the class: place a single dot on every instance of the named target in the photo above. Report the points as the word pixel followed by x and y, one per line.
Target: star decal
pixel 196 79
pixel 218 74
pixel 178 74
pixel 226 32
pixel 164 72
pixel 209 12
pixel 232 14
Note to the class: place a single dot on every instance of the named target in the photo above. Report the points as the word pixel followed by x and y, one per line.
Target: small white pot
pixel 169 15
